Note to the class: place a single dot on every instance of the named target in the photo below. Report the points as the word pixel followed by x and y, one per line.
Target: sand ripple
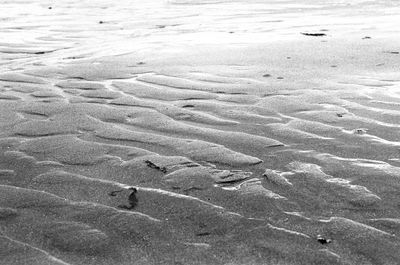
pixel 199 132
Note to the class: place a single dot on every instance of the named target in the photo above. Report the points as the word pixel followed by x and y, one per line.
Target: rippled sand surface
pixel 199 132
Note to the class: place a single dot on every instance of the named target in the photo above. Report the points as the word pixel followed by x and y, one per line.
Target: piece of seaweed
pixel 152 165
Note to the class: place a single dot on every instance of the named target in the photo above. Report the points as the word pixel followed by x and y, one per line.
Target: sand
pixel 199 132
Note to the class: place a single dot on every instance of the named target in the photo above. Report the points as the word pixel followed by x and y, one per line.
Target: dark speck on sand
pixel 313 34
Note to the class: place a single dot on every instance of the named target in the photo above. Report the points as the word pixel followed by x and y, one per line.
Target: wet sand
pixel 199 132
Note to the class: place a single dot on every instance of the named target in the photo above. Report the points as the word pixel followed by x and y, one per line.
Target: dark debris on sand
pixel 188 106
pixel 323 240
pixel 152 165
pixel 132 199
pixel 313 34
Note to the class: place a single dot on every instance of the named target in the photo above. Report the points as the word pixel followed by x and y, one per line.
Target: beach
pixel 199 132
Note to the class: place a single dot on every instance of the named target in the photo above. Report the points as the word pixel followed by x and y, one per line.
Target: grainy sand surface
pixel 199 132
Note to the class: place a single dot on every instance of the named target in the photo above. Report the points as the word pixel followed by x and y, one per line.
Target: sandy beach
pixel 238 132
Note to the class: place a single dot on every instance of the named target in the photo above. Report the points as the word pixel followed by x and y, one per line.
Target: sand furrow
pixel 31 255
pixel 195 149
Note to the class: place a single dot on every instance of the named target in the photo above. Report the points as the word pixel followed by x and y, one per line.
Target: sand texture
pixel 240 132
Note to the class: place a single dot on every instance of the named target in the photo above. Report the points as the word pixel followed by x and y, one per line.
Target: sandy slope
pixel 199 132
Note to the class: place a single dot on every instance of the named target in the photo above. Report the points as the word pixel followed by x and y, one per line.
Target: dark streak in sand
pixel 313 34
pixel 203 234
pixel 152 165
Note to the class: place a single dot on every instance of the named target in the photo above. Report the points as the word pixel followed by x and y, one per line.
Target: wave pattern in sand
pixel 199 132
